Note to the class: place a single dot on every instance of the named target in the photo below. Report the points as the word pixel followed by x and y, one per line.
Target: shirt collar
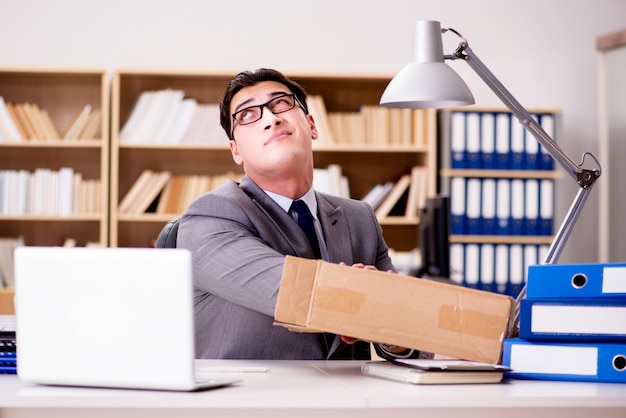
pixel 285 202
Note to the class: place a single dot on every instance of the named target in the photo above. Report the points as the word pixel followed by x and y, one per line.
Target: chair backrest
pixel 167 236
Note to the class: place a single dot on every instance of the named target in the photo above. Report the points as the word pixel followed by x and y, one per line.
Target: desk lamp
pixel 428 83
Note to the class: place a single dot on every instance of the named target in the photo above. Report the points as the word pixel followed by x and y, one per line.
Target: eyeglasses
pixel 279 104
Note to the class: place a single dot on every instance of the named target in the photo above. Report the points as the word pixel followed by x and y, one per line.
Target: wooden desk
pixel 301 389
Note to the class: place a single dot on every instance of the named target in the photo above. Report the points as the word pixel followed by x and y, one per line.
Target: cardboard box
pixel 376 306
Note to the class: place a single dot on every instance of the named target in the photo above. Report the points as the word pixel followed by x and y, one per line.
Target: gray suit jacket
pixel 239 238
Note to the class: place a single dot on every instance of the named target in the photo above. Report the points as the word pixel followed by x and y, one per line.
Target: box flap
pixel 296 289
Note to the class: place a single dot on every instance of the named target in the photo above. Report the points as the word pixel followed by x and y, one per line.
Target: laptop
pixel 106 317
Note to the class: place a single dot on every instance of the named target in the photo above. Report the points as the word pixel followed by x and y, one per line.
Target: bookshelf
pixel 63 94
pixel 364 164
pixel 501 187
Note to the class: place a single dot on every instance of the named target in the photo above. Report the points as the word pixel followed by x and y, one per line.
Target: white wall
pixel 542 50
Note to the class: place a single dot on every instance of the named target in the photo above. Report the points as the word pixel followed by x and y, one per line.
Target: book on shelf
pixel 16 120
pixel 167 117
pixel 171 109
pixel 181 190
pixel 377 194
pixel 583 361
pixel 51 130
pixel 7 268
pixel 127 202
pixel 88 196
pixel 204 126
pixel 401 126
pixel 127 132
pixel 65 198
pixel 22 120
pixel 421 126
pixel 376 120
pixel 194 186
pixel 317 109
pixel 77 193
pixel 184 118
pixel 77 123
pixel 377 125
pixel 39 120
pixel 338 123
pixel 144 191
pixel 422 373
pixel 31 114
pixel 9 128
pixel 356 129
pixel 85 126
pixel 418 191
pixel 161 104
pixel 393 198
pixel 45 192
pixel 149 194
pixel 404 197
pixel 330 180
pixel 92 124
pixel 172 197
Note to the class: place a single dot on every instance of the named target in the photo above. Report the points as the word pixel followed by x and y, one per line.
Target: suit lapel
pixel 277 222
pixel 335 227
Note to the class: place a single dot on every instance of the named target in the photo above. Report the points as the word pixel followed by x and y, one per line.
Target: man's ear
pixel 234 150
pixel 314 133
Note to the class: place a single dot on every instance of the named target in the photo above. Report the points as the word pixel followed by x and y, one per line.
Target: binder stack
pixel 501 188
pixel 8 359
pixel 572 324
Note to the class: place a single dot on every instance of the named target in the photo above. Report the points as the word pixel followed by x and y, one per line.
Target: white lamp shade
pixel 427 82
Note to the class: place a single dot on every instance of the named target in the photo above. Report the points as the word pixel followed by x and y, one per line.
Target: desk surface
pixel 318 388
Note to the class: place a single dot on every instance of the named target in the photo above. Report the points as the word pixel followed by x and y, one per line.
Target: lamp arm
pixel 585 178
pixel 530 124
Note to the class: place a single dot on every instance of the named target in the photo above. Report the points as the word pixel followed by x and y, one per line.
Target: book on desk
pixel 434 372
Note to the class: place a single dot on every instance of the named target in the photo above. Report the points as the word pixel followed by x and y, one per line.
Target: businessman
pixel 240 233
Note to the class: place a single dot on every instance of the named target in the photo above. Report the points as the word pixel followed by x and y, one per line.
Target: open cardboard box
pixel 376 306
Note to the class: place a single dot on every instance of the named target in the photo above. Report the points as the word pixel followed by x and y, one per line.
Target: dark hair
pixel 249 78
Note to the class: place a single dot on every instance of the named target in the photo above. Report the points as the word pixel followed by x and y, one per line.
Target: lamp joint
pixel 586 178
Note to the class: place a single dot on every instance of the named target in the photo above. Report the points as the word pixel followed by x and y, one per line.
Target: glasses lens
pixel 278 104
pixel 282 104
pixel 249 115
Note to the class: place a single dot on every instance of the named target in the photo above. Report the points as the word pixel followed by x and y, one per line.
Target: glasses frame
pixel 260 107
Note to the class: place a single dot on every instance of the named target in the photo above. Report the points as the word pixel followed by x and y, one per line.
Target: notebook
pixel 404 372
pixel 106 317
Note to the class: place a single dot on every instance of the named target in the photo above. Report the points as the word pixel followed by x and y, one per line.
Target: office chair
pixel 167 236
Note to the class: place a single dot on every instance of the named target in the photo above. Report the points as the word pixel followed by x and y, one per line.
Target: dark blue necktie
pixel 305 220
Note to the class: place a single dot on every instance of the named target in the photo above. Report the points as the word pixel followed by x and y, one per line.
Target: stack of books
pixel 572 324
pixel 28 121
pixel 165 193
pixel 8 360
pixel 168 117
pixel 401 198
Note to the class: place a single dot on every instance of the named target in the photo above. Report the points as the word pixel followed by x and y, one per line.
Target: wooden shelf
pixel 511 174
pixel 363 165
pixel 63 93
pixel 500 239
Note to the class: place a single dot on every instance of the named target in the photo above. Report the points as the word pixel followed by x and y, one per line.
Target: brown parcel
pixel 450 320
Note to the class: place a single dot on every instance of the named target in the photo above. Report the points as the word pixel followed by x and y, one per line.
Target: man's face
pixel 276 145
